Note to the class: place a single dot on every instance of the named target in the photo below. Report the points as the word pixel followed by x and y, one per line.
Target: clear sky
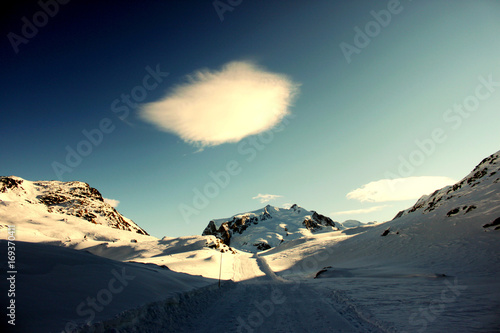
pixel 333 105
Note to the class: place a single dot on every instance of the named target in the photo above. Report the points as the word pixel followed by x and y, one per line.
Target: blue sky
pixel 286 101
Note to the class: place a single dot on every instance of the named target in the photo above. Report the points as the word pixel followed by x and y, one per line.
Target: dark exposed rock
pixel 386 232
pixel 265 215
pixel 96 194
pixel 454 211
pixel 211 229
pixel 479 174
pixel 7 183
pixel 225 230
pixel 311 224
pixel 52 199
pixel 317 221
pixel 470 208
pixel 323 220
pixel 492 224
pixel 262 246
pixel 324 269
pixel 90 217
pixel 399 214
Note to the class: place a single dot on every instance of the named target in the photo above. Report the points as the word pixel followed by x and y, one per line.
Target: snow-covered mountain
pixel 268 227
pixel 353 224
pixel 480 183
pixel 76 199
pixel 434 268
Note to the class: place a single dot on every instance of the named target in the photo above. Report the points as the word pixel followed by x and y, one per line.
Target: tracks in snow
pixel 266 303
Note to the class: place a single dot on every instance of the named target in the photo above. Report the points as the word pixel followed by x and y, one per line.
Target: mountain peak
pixel 68 198
pixel 485 175
pixel 268 227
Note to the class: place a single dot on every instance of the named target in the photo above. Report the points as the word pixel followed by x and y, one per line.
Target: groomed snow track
pixel 264 304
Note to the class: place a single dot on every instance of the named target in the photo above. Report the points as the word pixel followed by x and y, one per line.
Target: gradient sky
pixel 352 120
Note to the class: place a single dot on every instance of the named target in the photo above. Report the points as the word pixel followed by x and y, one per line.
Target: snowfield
pixel 434 268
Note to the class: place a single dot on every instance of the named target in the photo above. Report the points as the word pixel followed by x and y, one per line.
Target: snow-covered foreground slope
pixel 53 281
pixel 59 288
pixel 263 304
pixel 196 255
pixel 435 270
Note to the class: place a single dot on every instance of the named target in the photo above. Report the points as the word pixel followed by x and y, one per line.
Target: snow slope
pixel 65 198
pixel 477 185
pixel 435 270
pixel 58 288
pixel 263 304
pixel 197 255
pixel 53 281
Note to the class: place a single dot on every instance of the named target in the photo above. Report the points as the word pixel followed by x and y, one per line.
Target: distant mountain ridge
pixel 66 198
pixel 268 227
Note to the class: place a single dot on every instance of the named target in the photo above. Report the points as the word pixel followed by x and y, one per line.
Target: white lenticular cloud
pixel 216 107
pixel 399 189
pixel 266 197
pixel 112 202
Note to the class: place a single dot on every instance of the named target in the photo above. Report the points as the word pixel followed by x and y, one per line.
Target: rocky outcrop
pixel 237 225
pixel 7 183
pixel 317 221
pixel 68 198
pixel 321 271
pixel 262 246
pixel 495 224
pixel 267 227
pixel 223 232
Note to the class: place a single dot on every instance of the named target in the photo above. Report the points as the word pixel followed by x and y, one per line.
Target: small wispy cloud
pixel 112 202
pixel 216 107
pixel 399 189
pixel 360 211
pixel 266 197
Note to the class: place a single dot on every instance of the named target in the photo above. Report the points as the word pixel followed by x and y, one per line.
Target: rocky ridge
pixel 66 198
pixel 268 227
pixel 486 174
